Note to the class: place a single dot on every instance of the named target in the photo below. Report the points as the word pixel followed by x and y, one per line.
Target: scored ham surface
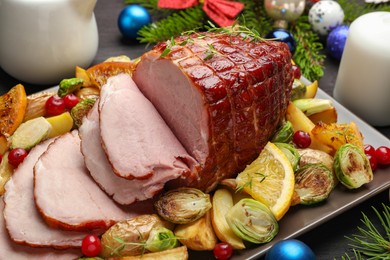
pixel 222 95
pixel 137 142
pixel 23 222
pixel 66 195
pixel 122 190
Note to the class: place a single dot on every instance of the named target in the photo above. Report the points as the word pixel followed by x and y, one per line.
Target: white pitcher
pixel 41 41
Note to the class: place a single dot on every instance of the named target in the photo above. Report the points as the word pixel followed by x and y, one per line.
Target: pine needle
pixel 255 17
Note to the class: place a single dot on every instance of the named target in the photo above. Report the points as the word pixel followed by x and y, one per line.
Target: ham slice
pixel 135 138
pixel 67 196
pixel 122 190
pixel 23 222
pixel 12 251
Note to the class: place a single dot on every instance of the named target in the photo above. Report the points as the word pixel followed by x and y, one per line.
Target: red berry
pixel 91 246
pixel 373 162
pixel 301 139
pixel 296 72
pixel 71 100
pixel 223 251
pixel 55 106
pixel 369 150
pixel 382 153
pixel 1 158
pixel 16 156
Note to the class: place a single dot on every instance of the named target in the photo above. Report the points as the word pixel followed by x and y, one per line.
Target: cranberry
pixel 373 161
pixel 301 139
pixel 382 153
pixel 55 106
pixel 1 158
pixel 16 156
pixel 223 251
pixel 369 150
pixel 71 100
pixel 91 246
pixel 296 72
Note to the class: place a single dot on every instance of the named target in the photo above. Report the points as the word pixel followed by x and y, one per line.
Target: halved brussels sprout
pixel 291 152
pixel 161 239
pixel 284 134
pixel 252 221
pixel 68 86
pixel 80 110
pixel 298 90
pixel 313 184
pixel 352 166
pixel 183 205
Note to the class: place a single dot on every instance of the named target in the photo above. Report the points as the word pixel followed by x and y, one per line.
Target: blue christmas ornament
pixel 131 19
pixel 284 36
pixel 290 249
pixel 335 42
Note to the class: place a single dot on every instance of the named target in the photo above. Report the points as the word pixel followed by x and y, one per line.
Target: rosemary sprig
pixel 257 176
pixel 371 242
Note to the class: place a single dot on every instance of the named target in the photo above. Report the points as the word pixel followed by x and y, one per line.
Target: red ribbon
pixel 222 12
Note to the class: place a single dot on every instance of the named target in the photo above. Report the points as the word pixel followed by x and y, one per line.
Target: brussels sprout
pixel 161 239
pixel 311 106
pixel 291 152
pixel 313 184
pixel 312 156
pixel 81 109
pixel 252 221
pixel 284 134
pixel 68 86
pixel 352 166
pixel 183 205
pixel 298 89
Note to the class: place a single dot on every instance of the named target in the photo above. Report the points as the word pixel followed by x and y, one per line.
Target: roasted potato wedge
pixel 178 253
pixel 328 116
pixel 311 90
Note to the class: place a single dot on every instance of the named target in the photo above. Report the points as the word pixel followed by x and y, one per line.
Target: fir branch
pixel 353 9
pixel 308 51
pixel 371 242
pixel 173 25
pixel 255 17
pixel 148 4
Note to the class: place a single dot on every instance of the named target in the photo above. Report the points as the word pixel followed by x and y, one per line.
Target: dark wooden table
pixel 328 240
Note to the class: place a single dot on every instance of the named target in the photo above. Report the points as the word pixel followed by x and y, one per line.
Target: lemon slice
pixel 270 180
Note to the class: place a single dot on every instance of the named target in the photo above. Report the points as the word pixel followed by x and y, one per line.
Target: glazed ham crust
pixel 223 97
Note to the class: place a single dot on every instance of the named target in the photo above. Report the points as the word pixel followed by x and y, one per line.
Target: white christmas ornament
pixel 325 15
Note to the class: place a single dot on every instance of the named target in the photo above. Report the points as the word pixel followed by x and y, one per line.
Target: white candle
pixel 363 81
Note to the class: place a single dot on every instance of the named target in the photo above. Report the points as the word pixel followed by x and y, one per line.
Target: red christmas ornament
pixel 222 12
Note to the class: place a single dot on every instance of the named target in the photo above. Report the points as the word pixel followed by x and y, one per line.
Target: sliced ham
pixel 122 190
pixel 11 251
pixel 222 95
pixel 137 141
pixel 66 195
pixel 22 220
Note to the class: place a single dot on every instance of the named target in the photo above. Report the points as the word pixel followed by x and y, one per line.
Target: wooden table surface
pixel 327 240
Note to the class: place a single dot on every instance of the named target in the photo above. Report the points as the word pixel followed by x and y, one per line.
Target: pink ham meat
pixel 66 195
pixel 222 95
pixel 12 251
pixel 137 142
pixel 23 222
pixel 122 190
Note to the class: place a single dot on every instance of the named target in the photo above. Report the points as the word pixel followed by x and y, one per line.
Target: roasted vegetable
pixel 30 133
pixel 60 124
pixel 352 166
pixel 252 221
pixel 88 92
pixel 99 73
pixel 313 184
pixel 311 156
pixel 80 110
pixel 4 144
pixel 161 239
pixel 328 116
pixel 198 235
pixel 36 105
pixel 222 203
pixel 311 106
pixel 291 152
pixel 128 237
pixel 183 205
pixel 68 86
pixel 178 253
pixel 12 109
pixel 298 90
pixel 6 171
pixel 311 90
pixel 284 134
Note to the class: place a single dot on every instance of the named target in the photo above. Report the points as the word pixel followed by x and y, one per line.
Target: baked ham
pixel 23 222
pixel 66 195
pixel 223 103
pixel 137 142
pixel 122 190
